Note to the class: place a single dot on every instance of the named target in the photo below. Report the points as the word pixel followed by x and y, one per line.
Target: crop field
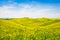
pixel 30 29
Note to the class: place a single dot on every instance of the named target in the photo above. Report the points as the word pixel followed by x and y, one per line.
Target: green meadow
pixel 30 29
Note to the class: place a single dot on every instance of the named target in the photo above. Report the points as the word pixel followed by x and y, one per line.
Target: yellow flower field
pixel 30 29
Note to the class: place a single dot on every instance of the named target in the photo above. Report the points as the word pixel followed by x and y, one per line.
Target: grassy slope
pixel 30 29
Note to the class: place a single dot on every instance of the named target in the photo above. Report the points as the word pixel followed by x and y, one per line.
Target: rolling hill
pixel 30 29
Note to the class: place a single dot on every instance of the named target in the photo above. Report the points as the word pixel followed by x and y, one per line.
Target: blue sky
pixel 29 8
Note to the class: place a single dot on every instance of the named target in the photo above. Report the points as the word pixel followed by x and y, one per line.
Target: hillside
pixel 30 29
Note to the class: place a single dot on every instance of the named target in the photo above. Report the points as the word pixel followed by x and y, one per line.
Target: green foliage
pixel 30 29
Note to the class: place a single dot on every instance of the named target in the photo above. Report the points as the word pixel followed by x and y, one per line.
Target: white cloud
pixel 25 10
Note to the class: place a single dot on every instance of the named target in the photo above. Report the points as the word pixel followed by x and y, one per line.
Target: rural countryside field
pixel 30 29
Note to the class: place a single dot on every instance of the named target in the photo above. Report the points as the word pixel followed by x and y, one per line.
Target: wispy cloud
pixel 26 10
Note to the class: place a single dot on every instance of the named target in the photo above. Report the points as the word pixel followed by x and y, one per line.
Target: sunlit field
pixel 30 29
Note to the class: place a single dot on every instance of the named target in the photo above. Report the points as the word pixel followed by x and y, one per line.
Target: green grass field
pixel 30 29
